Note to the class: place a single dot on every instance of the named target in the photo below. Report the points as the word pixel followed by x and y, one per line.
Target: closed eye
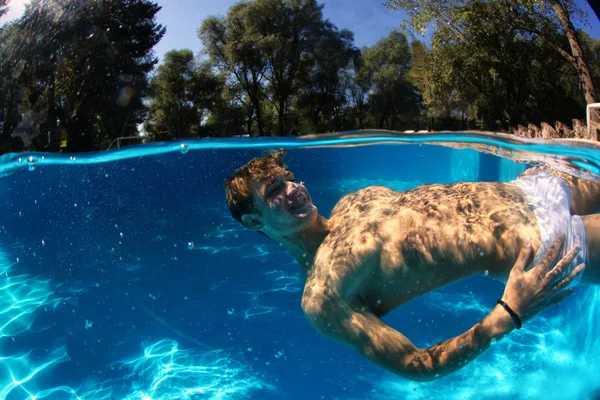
pixel 274 189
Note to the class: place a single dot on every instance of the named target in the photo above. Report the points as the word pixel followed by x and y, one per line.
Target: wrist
pixel 497 324
pixel 513 314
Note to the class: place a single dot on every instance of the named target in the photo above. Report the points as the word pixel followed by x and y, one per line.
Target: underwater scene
pixel 124 276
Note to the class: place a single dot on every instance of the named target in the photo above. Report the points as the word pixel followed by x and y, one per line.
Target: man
pixel 380 249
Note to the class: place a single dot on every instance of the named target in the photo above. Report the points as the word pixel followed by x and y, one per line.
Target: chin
pixel 308 213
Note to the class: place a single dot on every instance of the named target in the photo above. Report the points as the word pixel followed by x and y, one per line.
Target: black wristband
pixel 513 314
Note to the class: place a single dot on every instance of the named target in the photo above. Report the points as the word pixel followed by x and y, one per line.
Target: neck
pixel 303 245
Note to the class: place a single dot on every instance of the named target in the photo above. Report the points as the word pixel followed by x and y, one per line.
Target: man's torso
pixel 386 248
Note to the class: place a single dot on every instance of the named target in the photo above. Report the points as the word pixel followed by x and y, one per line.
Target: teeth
pixel 298 203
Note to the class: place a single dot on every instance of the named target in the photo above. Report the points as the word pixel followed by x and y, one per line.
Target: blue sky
pixel 368 19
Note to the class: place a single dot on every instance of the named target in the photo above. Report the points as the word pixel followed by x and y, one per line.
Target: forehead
pixel 259 186
pixel 268 176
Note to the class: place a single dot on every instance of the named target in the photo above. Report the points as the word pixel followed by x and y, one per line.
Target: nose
pixel 292 189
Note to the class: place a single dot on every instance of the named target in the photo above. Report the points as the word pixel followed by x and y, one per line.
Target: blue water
pixel 122 276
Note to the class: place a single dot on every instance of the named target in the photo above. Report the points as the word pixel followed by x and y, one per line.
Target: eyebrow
pixel 268 185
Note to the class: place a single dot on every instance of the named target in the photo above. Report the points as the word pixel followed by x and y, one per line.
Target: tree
pixel 82 68
pixel 232 45
pixel 172 110
pixel 357 85
pixel 227 114
pixel 3 7
pixel 391 95
pixel 268 47
pixel 181 97
pixel 324 87
pixel 547 20
pixel 498 76
pixel 290 31
pixel 110 58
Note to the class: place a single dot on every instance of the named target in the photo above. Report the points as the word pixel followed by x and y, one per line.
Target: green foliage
pixel 450 17
pixel 287 61
pixel 277 67
pixel 81 68
pixel 3 7
pixel 322 101
pixel 550 21
pixel 185 97
pixel 392 97
pixel 172 114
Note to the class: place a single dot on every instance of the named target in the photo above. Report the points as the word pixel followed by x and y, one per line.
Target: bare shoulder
pixel 362 200
pixel 340 265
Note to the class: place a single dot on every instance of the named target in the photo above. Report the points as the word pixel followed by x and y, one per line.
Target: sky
pixel 368 19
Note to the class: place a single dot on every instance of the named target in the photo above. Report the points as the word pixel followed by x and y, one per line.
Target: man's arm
pixel 388 348
pixel 335 318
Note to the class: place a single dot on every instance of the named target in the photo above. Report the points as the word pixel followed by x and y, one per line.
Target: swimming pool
pixel 124 277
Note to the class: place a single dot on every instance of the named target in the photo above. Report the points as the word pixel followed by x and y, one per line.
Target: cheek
pixel 276 203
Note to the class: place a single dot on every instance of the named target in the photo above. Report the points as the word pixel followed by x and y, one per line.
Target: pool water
pixel 123 276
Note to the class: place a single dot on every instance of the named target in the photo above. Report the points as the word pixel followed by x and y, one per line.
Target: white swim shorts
pixel 551 201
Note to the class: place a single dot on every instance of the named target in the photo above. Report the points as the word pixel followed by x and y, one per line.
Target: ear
pixel 252 221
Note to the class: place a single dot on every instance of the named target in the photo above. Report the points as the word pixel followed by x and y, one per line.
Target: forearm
pixel 446 357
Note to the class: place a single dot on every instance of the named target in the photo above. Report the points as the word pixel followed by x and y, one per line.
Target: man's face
pixel 284 206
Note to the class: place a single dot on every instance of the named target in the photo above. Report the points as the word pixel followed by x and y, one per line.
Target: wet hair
pixel 238 187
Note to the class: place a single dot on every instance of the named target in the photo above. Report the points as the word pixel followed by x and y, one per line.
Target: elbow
pixel 421 367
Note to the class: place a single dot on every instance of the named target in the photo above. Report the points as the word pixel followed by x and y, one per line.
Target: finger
pixel 560 297
pixel 524 255
pixel 561 266
pixel 552 253
pixel 564 282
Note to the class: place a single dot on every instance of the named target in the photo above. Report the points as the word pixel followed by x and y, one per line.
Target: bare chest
pixel 387 248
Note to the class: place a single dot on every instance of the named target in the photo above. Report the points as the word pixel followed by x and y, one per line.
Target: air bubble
pixel 184 148
pixel 31 163
pixel 191 245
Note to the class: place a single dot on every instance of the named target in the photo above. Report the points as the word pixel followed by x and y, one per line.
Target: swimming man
pixel 380 249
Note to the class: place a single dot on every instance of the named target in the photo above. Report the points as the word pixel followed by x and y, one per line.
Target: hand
pixel 529 292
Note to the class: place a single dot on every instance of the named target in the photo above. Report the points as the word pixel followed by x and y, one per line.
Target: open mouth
pixel 298 201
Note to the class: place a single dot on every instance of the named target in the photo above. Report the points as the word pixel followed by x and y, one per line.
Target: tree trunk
pixel 250 116
pixel 258 113
pixel 578 56
pixel 54 139
pixel 282 116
